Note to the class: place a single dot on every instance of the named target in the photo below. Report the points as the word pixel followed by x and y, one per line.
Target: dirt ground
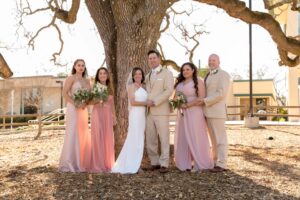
pixel 259 168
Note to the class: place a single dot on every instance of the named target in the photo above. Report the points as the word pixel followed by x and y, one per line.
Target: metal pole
pixel 250 64
pixel 12 108
pixel 61 96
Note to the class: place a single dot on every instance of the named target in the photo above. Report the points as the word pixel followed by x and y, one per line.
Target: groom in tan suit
pixel 159 84
pixel 217 83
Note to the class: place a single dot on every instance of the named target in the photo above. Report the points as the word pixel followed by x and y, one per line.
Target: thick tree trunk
pixel 128 31
pixel 129 28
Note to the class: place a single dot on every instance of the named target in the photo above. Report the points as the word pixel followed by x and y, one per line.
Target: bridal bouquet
pixel 178 101
pixel 81 96
pixel 99 93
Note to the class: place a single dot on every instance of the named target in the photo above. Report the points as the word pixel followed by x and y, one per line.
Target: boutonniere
pixel 213 71
pixel 158 69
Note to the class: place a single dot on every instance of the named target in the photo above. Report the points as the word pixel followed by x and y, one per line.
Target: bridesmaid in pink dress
pixel 103 119
pixel 75 155
pixel 192 148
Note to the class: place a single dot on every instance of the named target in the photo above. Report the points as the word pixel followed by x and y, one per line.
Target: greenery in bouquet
pixel 81 96
pixel 178 101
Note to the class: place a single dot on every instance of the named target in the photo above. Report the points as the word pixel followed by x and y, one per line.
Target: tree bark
pixel 129 28
pixel 128 31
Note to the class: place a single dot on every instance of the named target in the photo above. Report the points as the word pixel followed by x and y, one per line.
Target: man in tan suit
pixel 217 83
pixel 159 84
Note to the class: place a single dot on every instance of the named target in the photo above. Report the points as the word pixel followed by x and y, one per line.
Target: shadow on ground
pixel 46 182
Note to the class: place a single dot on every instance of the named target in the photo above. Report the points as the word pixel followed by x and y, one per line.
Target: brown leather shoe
pixel 217 169
pixel 163 170
pixel 152 168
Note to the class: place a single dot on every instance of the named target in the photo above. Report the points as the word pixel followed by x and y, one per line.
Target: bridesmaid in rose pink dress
pixel 192 147
pixel 76 151
pixel 103 119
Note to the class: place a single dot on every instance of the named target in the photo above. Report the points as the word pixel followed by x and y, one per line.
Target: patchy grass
pixel 259 169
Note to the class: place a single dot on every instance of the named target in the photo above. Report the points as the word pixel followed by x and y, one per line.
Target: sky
pixel 225 36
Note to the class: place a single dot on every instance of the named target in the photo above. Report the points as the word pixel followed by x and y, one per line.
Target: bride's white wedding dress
pixel 130 158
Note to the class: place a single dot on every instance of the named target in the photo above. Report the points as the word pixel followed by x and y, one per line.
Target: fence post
pixel 39 118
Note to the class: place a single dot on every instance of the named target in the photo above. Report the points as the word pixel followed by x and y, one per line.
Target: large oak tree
pixel 129 28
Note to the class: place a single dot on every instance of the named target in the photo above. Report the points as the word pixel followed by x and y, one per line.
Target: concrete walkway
pixel 273 123
pixel 266 123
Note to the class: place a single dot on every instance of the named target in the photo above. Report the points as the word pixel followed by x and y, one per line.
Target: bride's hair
pixel 181 78
pixel 108 82
pixel 134 70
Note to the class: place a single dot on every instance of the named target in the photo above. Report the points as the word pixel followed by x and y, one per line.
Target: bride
pixel 131 155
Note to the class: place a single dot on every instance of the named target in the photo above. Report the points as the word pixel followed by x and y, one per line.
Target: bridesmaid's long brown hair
pixel 84 74
pixel 181 78
pixel 108 82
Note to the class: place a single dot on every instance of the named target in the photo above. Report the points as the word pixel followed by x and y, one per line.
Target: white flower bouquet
pixel 99 93
pixel 81 96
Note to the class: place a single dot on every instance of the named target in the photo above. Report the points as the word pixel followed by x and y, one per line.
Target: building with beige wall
pixel 26 92
pixel 290 22
pixel 49 91
pixel 263 95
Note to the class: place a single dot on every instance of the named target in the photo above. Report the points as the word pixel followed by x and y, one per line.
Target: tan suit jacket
pixel 216 92
pixel 159 88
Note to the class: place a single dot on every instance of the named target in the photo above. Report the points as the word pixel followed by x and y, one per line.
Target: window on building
pixel 31 98
pixel 261 102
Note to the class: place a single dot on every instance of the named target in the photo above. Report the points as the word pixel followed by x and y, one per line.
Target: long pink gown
pixel 103 153
pixel 76 151
pixel 192 147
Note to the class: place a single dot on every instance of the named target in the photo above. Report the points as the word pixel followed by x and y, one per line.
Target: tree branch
pixel 161 51
pixel 238 9
pixel 67 16
pixel 31 41
pixel 171 63
pixel 269 6
pixel 61 44
pixel 167 18
pixel 286 60
pixel 28 11
pixel 103 63
pixel 53 24
pixel 295 6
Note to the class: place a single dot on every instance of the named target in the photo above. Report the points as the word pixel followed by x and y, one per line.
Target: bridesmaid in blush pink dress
pixel 75 155
pixel 103 119
pixel 192 147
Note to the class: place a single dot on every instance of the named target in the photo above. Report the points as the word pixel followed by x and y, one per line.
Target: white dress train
pixel 130 158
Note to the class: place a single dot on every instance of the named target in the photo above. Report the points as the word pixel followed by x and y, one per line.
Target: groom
pixel 159 84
